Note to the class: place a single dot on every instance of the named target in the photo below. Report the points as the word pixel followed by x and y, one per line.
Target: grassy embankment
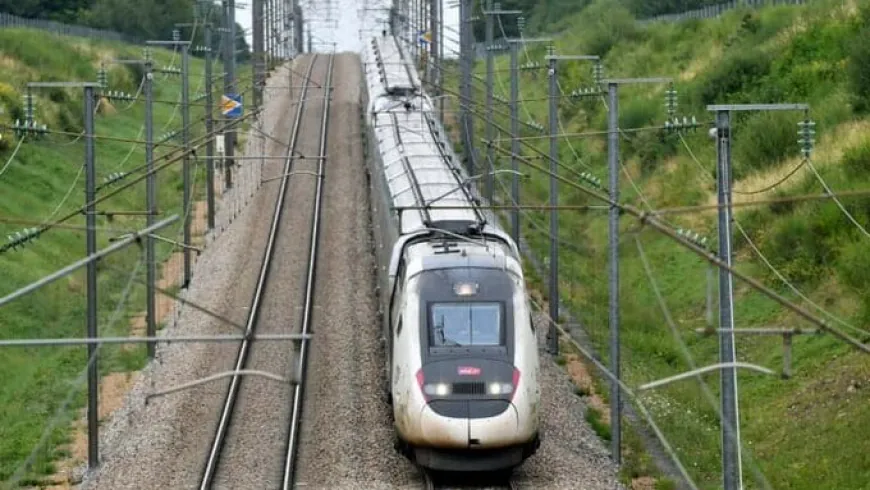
pixel 802 433
pixel 44 181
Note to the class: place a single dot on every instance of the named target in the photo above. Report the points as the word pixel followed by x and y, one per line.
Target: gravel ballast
pixel 346 428
pixel 162 444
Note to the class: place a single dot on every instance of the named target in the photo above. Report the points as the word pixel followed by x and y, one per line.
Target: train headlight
pixel 437 389
pixel 500 388
pixel 465 289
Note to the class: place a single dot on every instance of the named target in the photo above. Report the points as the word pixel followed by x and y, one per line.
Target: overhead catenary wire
pixel 123 187
pixel 757 251
pixel 647 218
pixel 836 200
pixel 687 355
pixel 625 389
pixel 14 154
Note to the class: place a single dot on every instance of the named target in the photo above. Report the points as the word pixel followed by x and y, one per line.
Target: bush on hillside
pixel 853 267
pixel 763 140
pixel 859 69
pixel 606 23
pixel 10 103
pixel 638 112
pixel 856 160
pixel 736 75
pixel 651 148
pixel 802 246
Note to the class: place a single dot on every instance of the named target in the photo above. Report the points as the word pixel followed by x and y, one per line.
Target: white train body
pixel 462 360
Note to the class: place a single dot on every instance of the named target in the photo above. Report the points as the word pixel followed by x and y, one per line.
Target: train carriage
pixel 461 356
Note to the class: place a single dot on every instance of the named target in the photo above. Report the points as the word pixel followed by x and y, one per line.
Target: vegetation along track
pixel 241 427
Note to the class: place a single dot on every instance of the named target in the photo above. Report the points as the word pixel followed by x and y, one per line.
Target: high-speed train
pixel 461 355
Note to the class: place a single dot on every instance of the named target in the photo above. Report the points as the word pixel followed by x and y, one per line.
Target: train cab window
pixel 466 324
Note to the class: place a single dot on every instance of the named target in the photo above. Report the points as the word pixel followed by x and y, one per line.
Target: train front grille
pixel 469 388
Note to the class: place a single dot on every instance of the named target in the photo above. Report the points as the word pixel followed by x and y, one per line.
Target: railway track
pixel 496 481
pixel 229 408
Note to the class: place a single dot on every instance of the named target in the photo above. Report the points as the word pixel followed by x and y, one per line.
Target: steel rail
pixel 293 436
pixel 429 482
pixel 213 460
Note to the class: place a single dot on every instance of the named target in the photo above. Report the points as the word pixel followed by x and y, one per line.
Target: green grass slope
pixel 806 432
pixel 45 181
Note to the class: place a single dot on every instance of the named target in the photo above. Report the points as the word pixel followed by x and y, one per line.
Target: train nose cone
pixel 496 431
pixel 447 432
pixel 460 431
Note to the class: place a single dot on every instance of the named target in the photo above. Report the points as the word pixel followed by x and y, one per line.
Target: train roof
pixel 422 172
pixel 396 74
pixel 418 163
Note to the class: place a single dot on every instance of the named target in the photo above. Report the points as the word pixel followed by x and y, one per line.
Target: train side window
pixel 398 296
pixel 532 322
pixel 399 326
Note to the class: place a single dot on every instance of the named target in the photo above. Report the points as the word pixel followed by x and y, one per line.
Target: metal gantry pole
pixel 91 248
pixel 434 46
pixel 93 374
pixel 285 29
pixel 492 10
pixel 731 476
pixel 553 293
pixel 613 166
pixel 732 464
pixel 151 206
pixel 515 142
pixel 257 41
pixel 229 83
pixel 412 27
pixel 613 251
pixel 438 67
pixel 185 131
pixel 209 127
pixel 466 62
pixel 515 127
pixel 273 23
pixel 490 153
pixel 272 30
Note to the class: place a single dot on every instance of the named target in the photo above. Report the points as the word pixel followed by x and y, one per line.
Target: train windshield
pixel 466 324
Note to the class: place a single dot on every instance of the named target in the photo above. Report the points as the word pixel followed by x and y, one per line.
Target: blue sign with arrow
pixel 231 105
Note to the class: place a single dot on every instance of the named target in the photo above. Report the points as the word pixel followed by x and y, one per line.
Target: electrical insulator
pixel 671 101
pixel 598 73
pixel 693 237
pixel 807 134
pixel 103 77
pixel 19 238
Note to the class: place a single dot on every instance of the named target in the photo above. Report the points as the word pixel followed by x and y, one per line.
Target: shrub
pixel 853 268
pixel 10 102
pixel 740 71
pixel 638 112
pixel 607 23
pixel 651 149
pixel 763 140
pixel 802 246
pixel 859 69
pixel 856 160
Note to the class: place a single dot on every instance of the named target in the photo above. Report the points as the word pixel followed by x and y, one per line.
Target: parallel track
pixel 293 438
pixel 213 460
